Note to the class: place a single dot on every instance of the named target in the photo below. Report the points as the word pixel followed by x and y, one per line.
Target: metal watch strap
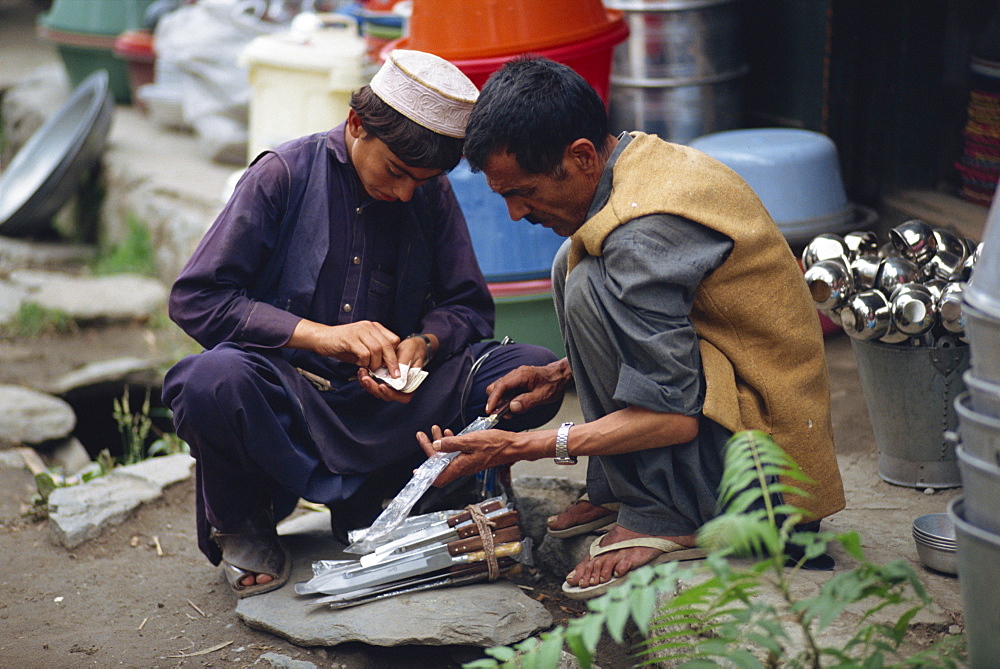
pixel 562 446
pixel 430 346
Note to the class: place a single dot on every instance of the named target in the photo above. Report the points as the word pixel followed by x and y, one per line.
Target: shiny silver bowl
pixel 894 271
pixel 866 315
pixel 914 310
pixel 825 246
pixel 951 242
pixel 914 240
pixel 864 268
pixel 830 283
pixel 861 243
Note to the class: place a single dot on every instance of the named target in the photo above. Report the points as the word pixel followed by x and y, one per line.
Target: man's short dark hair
pixel 534 108
pixel 412 143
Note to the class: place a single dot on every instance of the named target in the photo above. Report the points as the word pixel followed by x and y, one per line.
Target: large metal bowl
pixel 934 536
pixel 47 170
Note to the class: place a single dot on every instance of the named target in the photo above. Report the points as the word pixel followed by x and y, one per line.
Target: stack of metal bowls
pixel 934 535
pixel 900 302
pixel 906 291
pixel 975 515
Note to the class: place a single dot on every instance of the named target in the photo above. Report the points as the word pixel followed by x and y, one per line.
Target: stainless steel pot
pixel 677 75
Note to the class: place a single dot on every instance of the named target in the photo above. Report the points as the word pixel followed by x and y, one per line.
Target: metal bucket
pixel 978 433
pixel 910 393
pixel 677 75
pixel 983 331
pixel 978 575
pixel 984 395
pixel 981 489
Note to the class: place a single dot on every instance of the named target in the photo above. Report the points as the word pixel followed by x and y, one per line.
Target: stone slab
pixel 31 417
pixel 483 615
pixel 135 371
pixel 81 512
pixel 117 297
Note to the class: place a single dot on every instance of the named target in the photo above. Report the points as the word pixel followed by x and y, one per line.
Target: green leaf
pixel 481 664
pixel 502 653
pixel 617 618
pixel 550 651
pixel 45 483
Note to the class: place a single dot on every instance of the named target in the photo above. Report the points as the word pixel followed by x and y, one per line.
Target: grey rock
pixel 484 614
pixel 280 661
pixel 11 459
pixel 30 417
pixel 18 254
pixel 557 557
pixel 162 471
pixel 81 512
pixel 120 371
pixel 10 301
pixel 121 297
pixel 539 497
pixel 69 455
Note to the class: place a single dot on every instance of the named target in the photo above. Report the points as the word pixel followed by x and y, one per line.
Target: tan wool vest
pixel 760 339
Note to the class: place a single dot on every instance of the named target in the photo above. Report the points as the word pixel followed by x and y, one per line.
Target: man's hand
pixel 411 351
pixel 364 343
pixel 380 389
pixel 543 385
pixel 478 451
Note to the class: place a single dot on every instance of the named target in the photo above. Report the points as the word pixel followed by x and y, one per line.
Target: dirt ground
pixel 118 600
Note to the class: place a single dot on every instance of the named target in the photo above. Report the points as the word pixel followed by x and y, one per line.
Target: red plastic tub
pixel 135 47
pixel 591 58
pixel 467 29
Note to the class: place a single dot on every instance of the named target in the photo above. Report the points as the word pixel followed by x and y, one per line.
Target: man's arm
pixel 623 431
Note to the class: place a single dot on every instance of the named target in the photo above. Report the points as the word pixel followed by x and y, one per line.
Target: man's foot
pixel 254 561
pixel 620 551
pixel 580 517
pixel 255 579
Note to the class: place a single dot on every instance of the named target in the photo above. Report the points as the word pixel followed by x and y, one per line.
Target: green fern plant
pixel 716 613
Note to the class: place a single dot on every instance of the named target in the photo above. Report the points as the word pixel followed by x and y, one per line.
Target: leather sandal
pixel 253 551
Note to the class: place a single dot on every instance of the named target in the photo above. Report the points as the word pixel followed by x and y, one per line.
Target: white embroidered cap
pixel 426 89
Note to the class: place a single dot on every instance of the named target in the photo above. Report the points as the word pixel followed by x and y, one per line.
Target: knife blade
pixel 439 581
pixel 408 566
pixel 363 595
pixel 393 514
pixel 441 535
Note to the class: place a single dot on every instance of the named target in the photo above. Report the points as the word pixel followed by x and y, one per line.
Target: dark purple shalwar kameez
pixel 300 239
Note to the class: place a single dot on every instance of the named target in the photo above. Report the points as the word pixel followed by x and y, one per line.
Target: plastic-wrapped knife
pixel 423 477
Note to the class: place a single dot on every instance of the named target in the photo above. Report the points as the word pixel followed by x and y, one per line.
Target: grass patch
pixel 33 319
pixel 135 255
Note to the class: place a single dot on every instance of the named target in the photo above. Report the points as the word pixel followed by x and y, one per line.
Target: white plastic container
pixel 302 80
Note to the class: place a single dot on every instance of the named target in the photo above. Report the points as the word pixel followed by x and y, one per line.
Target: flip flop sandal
pixel 584 528
pixel 672 552
pixel 253 552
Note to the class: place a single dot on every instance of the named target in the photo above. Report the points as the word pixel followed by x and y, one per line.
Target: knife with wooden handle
pixel 424 538
pixel 411 564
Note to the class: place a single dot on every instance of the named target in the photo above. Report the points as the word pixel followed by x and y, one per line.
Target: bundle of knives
pixel 447 552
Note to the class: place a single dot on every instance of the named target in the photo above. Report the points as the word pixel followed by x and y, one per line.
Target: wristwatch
pixel 562 446
pixel 427 341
